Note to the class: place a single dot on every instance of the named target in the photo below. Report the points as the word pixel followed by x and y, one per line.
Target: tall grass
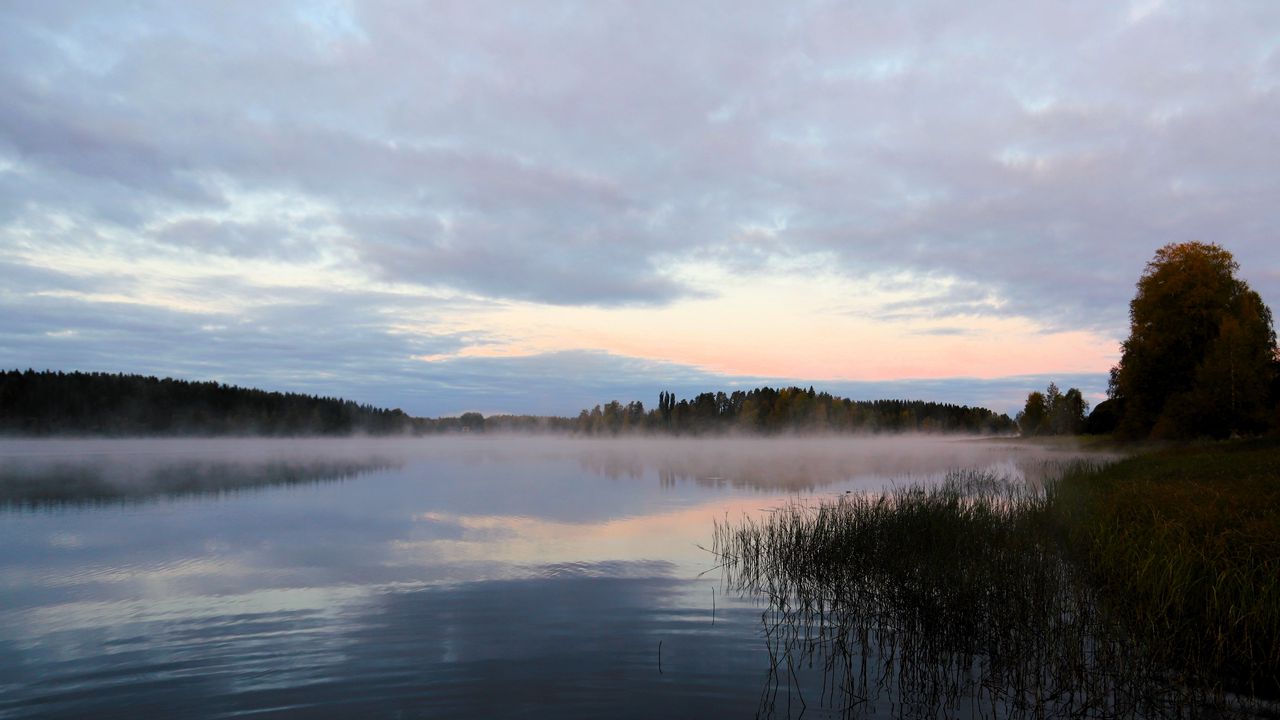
pixel 1184 546
pixel 981 597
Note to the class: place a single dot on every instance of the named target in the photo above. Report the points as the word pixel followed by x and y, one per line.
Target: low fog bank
pixel 86 470
pixel 231 449
pixel 44 473
pixel 810 462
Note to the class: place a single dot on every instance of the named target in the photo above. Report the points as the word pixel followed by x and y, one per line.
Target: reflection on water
pixel 441 578
pixel 808 464
pixel 581 642
pixel 24 485
pixel 43 474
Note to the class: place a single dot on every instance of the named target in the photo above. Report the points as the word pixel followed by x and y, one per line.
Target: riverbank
pixel 1145 586
pixel 1183 544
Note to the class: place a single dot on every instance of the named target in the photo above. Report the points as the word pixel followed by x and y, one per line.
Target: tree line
pixel 93 403
pixel 41 403
pixel 792 409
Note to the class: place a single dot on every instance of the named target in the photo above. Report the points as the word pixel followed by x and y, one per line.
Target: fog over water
pixel 435 577
pixel 142 467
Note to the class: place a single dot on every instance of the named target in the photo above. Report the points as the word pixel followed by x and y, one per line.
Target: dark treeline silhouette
pixel 1054 412
pixel 792 409
pixel 58 403
pixel 38 403
pixel 473 422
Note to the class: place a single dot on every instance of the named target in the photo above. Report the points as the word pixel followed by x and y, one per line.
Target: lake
pixel 439 577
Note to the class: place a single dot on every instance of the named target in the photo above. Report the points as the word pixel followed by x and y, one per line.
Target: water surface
pixel 442 577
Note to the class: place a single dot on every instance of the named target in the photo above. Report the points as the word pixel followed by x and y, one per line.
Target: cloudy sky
pixel 538 206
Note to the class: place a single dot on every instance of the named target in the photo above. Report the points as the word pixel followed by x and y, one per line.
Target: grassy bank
pixel 1184 547
pixel 1143 588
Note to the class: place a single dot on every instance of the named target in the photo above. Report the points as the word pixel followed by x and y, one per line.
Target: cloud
pixel 24 278
pixel 236 239
pixel 330 344
pixel 1019 162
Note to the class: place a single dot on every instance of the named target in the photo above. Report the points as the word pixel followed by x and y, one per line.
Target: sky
pixel 537 207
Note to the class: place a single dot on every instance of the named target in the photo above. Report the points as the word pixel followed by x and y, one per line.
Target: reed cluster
pixel 986 597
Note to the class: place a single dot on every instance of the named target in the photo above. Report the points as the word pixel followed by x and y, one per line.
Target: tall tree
pixel 1200 348
pixel 1031 420
pixel 1068 412
pixel 1053 412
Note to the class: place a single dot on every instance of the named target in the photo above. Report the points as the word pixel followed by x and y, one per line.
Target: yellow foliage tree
pixel 1201 346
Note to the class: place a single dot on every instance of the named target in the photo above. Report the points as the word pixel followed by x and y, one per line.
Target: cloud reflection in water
pixel 450 576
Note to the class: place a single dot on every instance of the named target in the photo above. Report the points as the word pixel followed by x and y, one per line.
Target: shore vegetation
pixel 1149 587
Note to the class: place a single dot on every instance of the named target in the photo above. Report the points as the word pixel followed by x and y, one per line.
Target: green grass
pixel 1184 546
pixel 1143 588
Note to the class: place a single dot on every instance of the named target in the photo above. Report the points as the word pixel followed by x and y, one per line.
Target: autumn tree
pixel 1067 415
pixel 1198 360
pixel 1032 417
pixel 1053 412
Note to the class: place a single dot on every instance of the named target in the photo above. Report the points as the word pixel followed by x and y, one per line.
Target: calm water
pixel 448 577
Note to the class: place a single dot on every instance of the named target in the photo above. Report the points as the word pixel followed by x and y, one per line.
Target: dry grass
pixel 1184 546
pixel 1147 588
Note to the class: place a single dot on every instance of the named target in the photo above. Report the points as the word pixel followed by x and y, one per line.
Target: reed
pixel 988 597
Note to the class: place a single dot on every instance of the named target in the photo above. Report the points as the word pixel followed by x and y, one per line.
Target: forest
pixel 792 409
pixel 41 403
